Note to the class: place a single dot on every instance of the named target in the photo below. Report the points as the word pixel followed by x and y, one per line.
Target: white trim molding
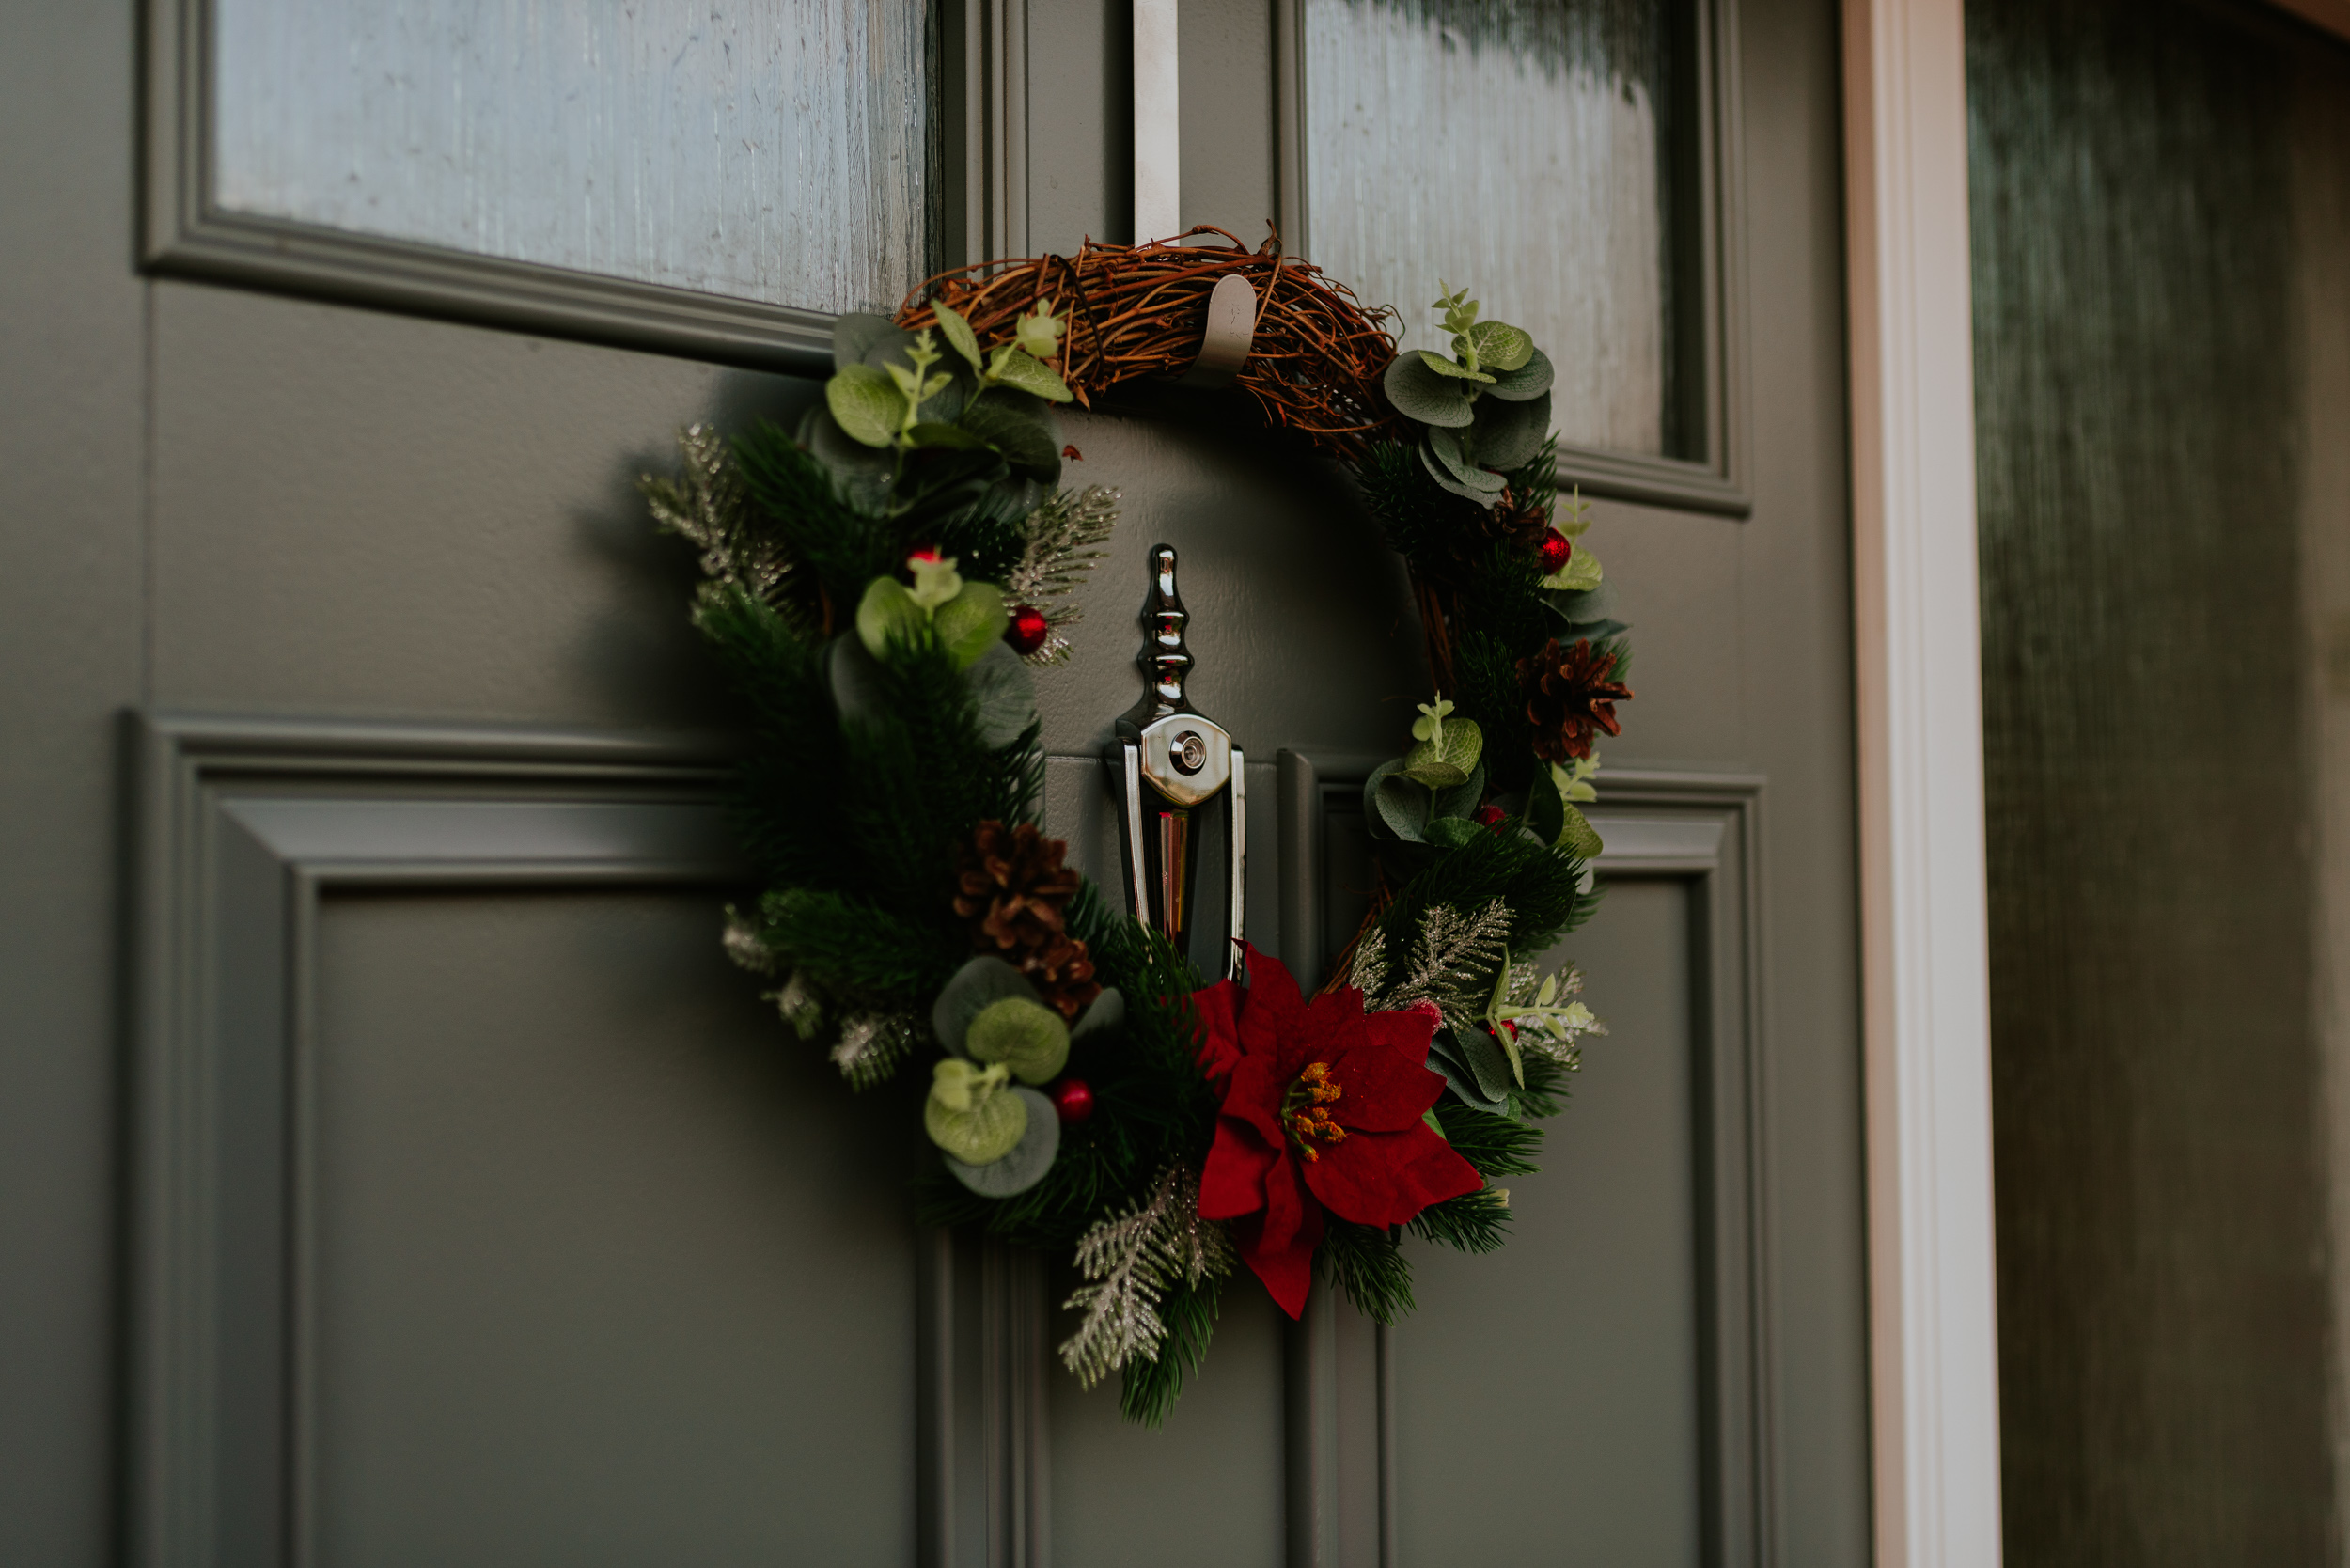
pixel 1934 1314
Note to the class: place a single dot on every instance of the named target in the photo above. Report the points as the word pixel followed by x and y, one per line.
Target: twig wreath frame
pixel 881 584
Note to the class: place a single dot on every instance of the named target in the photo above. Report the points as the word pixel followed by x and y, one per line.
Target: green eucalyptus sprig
pixel 1485 411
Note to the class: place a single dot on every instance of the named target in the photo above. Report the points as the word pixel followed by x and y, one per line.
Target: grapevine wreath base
pixel 880 584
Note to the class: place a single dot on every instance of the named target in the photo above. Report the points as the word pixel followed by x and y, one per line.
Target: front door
pixel 482 1214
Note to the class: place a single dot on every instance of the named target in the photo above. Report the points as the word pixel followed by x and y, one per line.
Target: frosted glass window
pixel 780 152
pixel 1518 148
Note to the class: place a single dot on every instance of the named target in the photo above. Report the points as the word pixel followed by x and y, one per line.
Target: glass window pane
pixel 777 152
pixel 1516 147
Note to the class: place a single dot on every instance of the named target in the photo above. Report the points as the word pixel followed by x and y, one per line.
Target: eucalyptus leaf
pixel 1021 1033
pixel 1509 434
pixel 1453 832
pixel 930 433
pixel 867 403
pixel 1419 393
pixel 862 473
pixel 969 624
pixel 1105 1015
pixel 1031 376
pixel 1527 382
pixel 1402 806
pixel 1486 1058
pixel 1020 427
pixel 1004 693
pixel 973 1116
pixel 1499 345
pixel 1461 799
pixel 1581 574
pixel 1591 603
pixel 1545 813
pixel 1578 838
pixel 971 990
pixel 860 333
pixel 1463 744
pixel 887 614
pixel 958 333
pixel 1435 774
pixel 1450 370
pixel 1029 1159
pixel 1437 471
pixel 1445 444
pixel 1445 1057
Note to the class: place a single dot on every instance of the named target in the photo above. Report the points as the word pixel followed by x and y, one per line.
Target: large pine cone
pixel 1015 892
pixel 1570 697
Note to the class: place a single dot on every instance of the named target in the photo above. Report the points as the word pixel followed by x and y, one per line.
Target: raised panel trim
pixel 240 827
pixel 1718 482
pixel 1698 826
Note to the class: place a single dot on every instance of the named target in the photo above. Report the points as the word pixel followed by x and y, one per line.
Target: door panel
pixel 1565 1367
pixel 570 1204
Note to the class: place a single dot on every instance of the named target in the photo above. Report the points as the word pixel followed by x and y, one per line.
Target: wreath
pixel 880 584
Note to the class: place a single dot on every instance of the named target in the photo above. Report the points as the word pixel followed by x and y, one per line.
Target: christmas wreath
pixel 880 584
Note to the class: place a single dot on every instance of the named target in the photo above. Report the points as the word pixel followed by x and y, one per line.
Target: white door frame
pixel 1934 1344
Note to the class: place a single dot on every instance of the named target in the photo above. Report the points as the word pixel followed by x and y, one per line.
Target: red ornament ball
pixel 1027 630
pixel 1491 815
pixel 1072 1101
pixel 1557 549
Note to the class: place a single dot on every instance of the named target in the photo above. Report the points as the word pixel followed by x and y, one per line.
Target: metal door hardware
pixel 1171 761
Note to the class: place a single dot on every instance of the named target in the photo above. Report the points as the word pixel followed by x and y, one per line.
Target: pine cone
pixel 1015 892
pixel 1515 523
pixel 1568 697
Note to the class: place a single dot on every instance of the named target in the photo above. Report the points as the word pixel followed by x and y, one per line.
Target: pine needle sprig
pixel 1149 1389
pixel 1493 1145
pixel 1130 1261
pixel 1473 1222
pixel 1368 1265
pixel 1063 536
pixel 873 1044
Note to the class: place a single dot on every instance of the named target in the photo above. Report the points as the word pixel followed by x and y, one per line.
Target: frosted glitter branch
pixel 1063 534
pixel 1132 1260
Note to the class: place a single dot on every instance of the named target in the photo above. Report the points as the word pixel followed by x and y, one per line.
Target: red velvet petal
pixel 1219 1027
pixel 1272 1020
pixel 1279 1246
pixel 1379 1090
pixel 1386 1178
pixel 1408 1030
pixel 1253 1094
pixel 1231 1184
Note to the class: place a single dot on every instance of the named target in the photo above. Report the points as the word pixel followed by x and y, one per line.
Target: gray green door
pixel 395 1171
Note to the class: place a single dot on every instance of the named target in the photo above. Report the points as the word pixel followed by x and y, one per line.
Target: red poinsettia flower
pixel 1322 1110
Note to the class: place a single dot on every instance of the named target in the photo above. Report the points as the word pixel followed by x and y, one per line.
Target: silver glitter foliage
pixel 1063 536
pixel 1131 1261
pixel 1452 964
pixel 872 1045
pixel 706 506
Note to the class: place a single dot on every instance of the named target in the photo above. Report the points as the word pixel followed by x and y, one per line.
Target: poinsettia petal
pixel 1379 1090
pixel 1386 1178
pixel 1407 1030
pixel 1219 1007
pixel 1231 1184
pixel 1280 1245
pixel 1271 1019
pixel 1253 1094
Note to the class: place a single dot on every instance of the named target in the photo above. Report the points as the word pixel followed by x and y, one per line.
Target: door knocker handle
pixel 1170 761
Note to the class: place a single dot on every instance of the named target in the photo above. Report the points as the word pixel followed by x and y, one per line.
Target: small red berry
pixel 1027 630
pixel 1072 1101
pixel 1491 815
pixel 1557 549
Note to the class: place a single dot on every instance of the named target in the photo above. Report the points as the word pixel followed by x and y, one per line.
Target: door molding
pixel 1934 1339
pixel 1710 186
pixel 240 826
pixel 1702 828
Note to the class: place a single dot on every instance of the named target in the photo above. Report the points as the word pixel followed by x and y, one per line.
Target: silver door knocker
pixel 1171 761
